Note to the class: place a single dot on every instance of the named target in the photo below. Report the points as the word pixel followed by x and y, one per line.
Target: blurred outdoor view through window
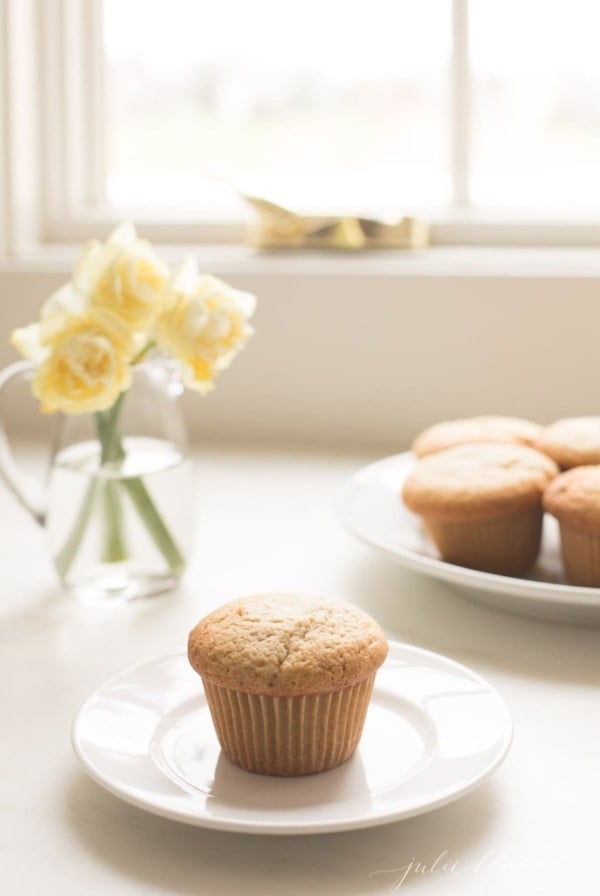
pixel 345 106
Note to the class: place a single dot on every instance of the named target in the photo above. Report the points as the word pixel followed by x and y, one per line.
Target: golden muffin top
pixel 449 433
pixel 574 498
pixel 480 481
pixel 572 441
pixel 286 645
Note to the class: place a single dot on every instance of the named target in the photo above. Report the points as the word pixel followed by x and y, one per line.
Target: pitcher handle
pixel 26 489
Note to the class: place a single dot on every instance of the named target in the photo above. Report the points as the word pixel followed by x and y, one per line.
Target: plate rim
pixel 553 593
pixel 277 827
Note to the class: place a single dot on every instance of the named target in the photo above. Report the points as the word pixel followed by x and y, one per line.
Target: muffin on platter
pixel 572 441
pixel 449 433
pixel 288 679
pixel 574 499
pixel 481 504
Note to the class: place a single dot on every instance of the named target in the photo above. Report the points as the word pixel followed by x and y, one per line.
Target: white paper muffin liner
pixel 581 556
pixel 507 546
pixel 289 736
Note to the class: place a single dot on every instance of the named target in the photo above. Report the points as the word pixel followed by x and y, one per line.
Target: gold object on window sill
pixel 277 227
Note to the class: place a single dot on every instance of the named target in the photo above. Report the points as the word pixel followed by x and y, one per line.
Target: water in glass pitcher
pixel 120 530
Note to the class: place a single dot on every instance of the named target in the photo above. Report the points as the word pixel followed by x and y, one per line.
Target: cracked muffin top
pixel 478 482
pixel 286 645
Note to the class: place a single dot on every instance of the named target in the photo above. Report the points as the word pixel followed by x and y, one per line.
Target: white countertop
pixel 266 524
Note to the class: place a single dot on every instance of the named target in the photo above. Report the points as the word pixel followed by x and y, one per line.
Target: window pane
pixel 536 124
pixel 334 105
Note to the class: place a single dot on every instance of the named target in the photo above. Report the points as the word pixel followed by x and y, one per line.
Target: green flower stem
pixel 115 550
pixel 142 354
pixel 67 554
pixel 153 522
pixel 106 424
pixel 112 452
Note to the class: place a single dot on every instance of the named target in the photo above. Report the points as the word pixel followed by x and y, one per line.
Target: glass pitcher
pixel 118 501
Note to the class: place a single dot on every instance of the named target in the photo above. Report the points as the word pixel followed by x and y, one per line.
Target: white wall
pixel 368 354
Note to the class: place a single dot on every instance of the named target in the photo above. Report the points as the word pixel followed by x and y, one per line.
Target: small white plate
pixel 371 508
pixel 434 731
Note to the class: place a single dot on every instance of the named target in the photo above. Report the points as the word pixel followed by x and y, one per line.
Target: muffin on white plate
pixel 288 679
pixel 574 499
pixel 481 504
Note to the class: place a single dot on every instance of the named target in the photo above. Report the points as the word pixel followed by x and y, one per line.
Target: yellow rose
pixel 203 324
pixel 82 371
pixel 64 310
pixel 123 276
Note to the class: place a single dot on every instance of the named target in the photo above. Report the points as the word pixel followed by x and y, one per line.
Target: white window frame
pixel 52 156
pixel 72 79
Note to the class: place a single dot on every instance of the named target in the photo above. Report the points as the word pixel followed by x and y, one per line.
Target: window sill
pixel 451 262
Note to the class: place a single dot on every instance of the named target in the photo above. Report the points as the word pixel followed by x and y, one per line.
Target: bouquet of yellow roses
pixel 122 303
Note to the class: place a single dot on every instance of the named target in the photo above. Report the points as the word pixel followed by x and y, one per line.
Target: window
pixel 535 129
pixel 333 105
pixel 483 116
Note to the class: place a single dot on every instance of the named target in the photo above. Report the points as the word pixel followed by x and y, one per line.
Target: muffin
pixel 574 499
pixel 288 679
pixel 481 504
pixel 444 435
pixel 572 442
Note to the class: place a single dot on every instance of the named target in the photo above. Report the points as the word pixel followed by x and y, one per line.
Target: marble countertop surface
pixel 266 523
